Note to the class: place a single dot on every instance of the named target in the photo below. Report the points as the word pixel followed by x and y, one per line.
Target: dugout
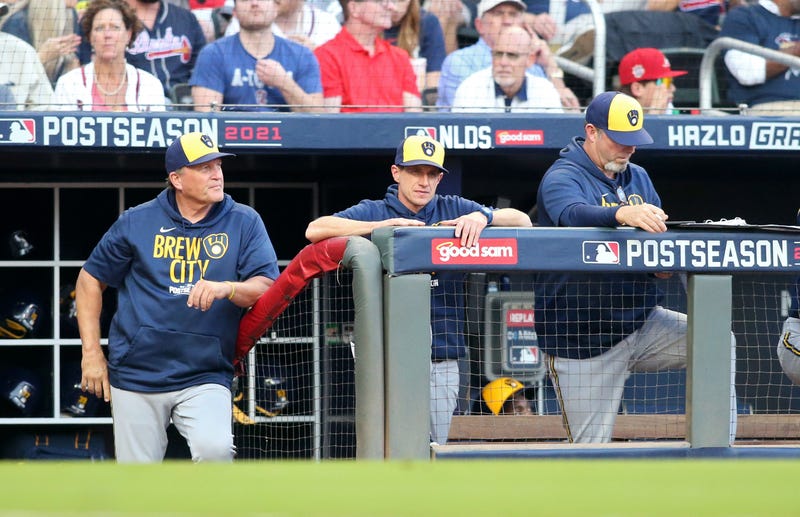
pixel 67 183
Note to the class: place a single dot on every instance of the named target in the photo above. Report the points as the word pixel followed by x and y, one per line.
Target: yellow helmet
pixel 498 391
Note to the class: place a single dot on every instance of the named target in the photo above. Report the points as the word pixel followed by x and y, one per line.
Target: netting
pixel 297 399
pixel 308 352
pixel 43 42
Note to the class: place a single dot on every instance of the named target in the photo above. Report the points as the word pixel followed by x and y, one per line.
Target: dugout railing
pixel 709 255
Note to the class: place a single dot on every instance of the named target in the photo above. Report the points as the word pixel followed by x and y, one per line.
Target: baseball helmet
pixel 20 244
pixel 272 390
pixel 20 391
pixel 21 322
pixel 67 311
pixel 75 401
pixel 498 391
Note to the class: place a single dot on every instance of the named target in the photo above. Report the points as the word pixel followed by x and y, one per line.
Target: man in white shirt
pixel 24 75
pixel 506 86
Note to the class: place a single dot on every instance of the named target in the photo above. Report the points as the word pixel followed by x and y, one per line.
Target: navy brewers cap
pixel 191 149
pixel 420 150
pixel 620 116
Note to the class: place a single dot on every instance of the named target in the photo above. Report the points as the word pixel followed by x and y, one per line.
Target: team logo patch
pixel 216 245
pixel 207 141
pixel 17 130
pixel 600 252
pixel 638 71
pixel 428 148
pixel 633 117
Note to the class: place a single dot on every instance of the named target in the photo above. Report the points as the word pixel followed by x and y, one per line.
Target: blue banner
pixel 411 250
pixel 266 132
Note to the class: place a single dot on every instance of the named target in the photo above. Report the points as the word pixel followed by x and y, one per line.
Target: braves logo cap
pixel 620 116
pixel 420 150
pixel 191 149
pixel 646 64
pixel 488 5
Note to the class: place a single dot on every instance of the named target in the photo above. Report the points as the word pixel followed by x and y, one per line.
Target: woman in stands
pixel 49 26
pixel 420 34
pixel 108 83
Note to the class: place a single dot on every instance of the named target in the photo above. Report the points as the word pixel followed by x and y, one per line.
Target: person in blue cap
pixel 596 329
pixel 412 201
pixel 185 265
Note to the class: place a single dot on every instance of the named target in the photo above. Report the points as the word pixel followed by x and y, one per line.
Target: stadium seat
pixel 687 93
pixel 181 95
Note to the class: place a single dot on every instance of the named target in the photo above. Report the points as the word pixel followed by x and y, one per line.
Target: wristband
pixel 233 289
pixel 488 213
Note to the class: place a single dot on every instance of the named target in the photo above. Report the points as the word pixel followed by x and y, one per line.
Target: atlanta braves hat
pixel 620 116
pixel 645 64
pixel 488 5
pixel 420 150
pixel 191 149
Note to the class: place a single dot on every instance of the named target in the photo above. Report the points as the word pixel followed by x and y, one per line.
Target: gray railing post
pixel 363 258
pixel 708 372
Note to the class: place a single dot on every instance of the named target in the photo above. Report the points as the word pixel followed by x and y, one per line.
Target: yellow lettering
pixel 169 245
pixel 179 247
pixel 158 247
pixel 193 249
pixel 176 272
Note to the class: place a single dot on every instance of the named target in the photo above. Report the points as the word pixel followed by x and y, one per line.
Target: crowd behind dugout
pixel 386 55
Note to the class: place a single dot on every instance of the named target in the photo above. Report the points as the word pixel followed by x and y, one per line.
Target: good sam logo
pixel 486 251
pixel 519 137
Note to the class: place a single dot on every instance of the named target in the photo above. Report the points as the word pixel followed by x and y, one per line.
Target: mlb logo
pixel 17 131
pixel 600 252
pixel 525 355
pixel 421 131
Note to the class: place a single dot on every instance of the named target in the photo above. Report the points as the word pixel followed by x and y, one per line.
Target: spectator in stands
pixel 452 15
pixel 360 70
pixel 493 15
pixel 7 101
pixel 419 33
pixel 300 21
pixel 506 86
pixel 506 396
pixel 646 75
pixel 49 26
pixel 171 358
pixel 632 23
pixel 169 44
pixel 23 75
pixel 108 83
pixel 307 25
pixel 254 70
pixel 204 11
pixel 767 87
pixel 596 329
pixel 412 201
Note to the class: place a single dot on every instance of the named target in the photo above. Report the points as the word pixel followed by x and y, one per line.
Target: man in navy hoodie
pixel 185 265
pixel 598 328
pixel 412 201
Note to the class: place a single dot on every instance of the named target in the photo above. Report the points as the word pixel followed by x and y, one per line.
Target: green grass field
pixel 418 489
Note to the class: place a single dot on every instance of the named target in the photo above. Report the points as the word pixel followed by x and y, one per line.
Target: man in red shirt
pixel 361 71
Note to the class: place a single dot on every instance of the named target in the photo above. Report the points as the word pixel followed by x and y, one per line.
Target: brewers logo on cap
pixel 420 150
pixel 192 149
pixel 620 116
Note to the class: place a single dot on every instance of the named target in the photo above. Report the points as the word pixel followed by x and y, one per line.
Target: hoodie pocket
pixel 172 356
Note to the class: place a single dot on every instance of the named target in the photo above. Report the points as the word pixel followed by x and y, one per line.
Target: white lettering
pixel 474 137
pixel 706 135
pixel 709 254
pixel 121 131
